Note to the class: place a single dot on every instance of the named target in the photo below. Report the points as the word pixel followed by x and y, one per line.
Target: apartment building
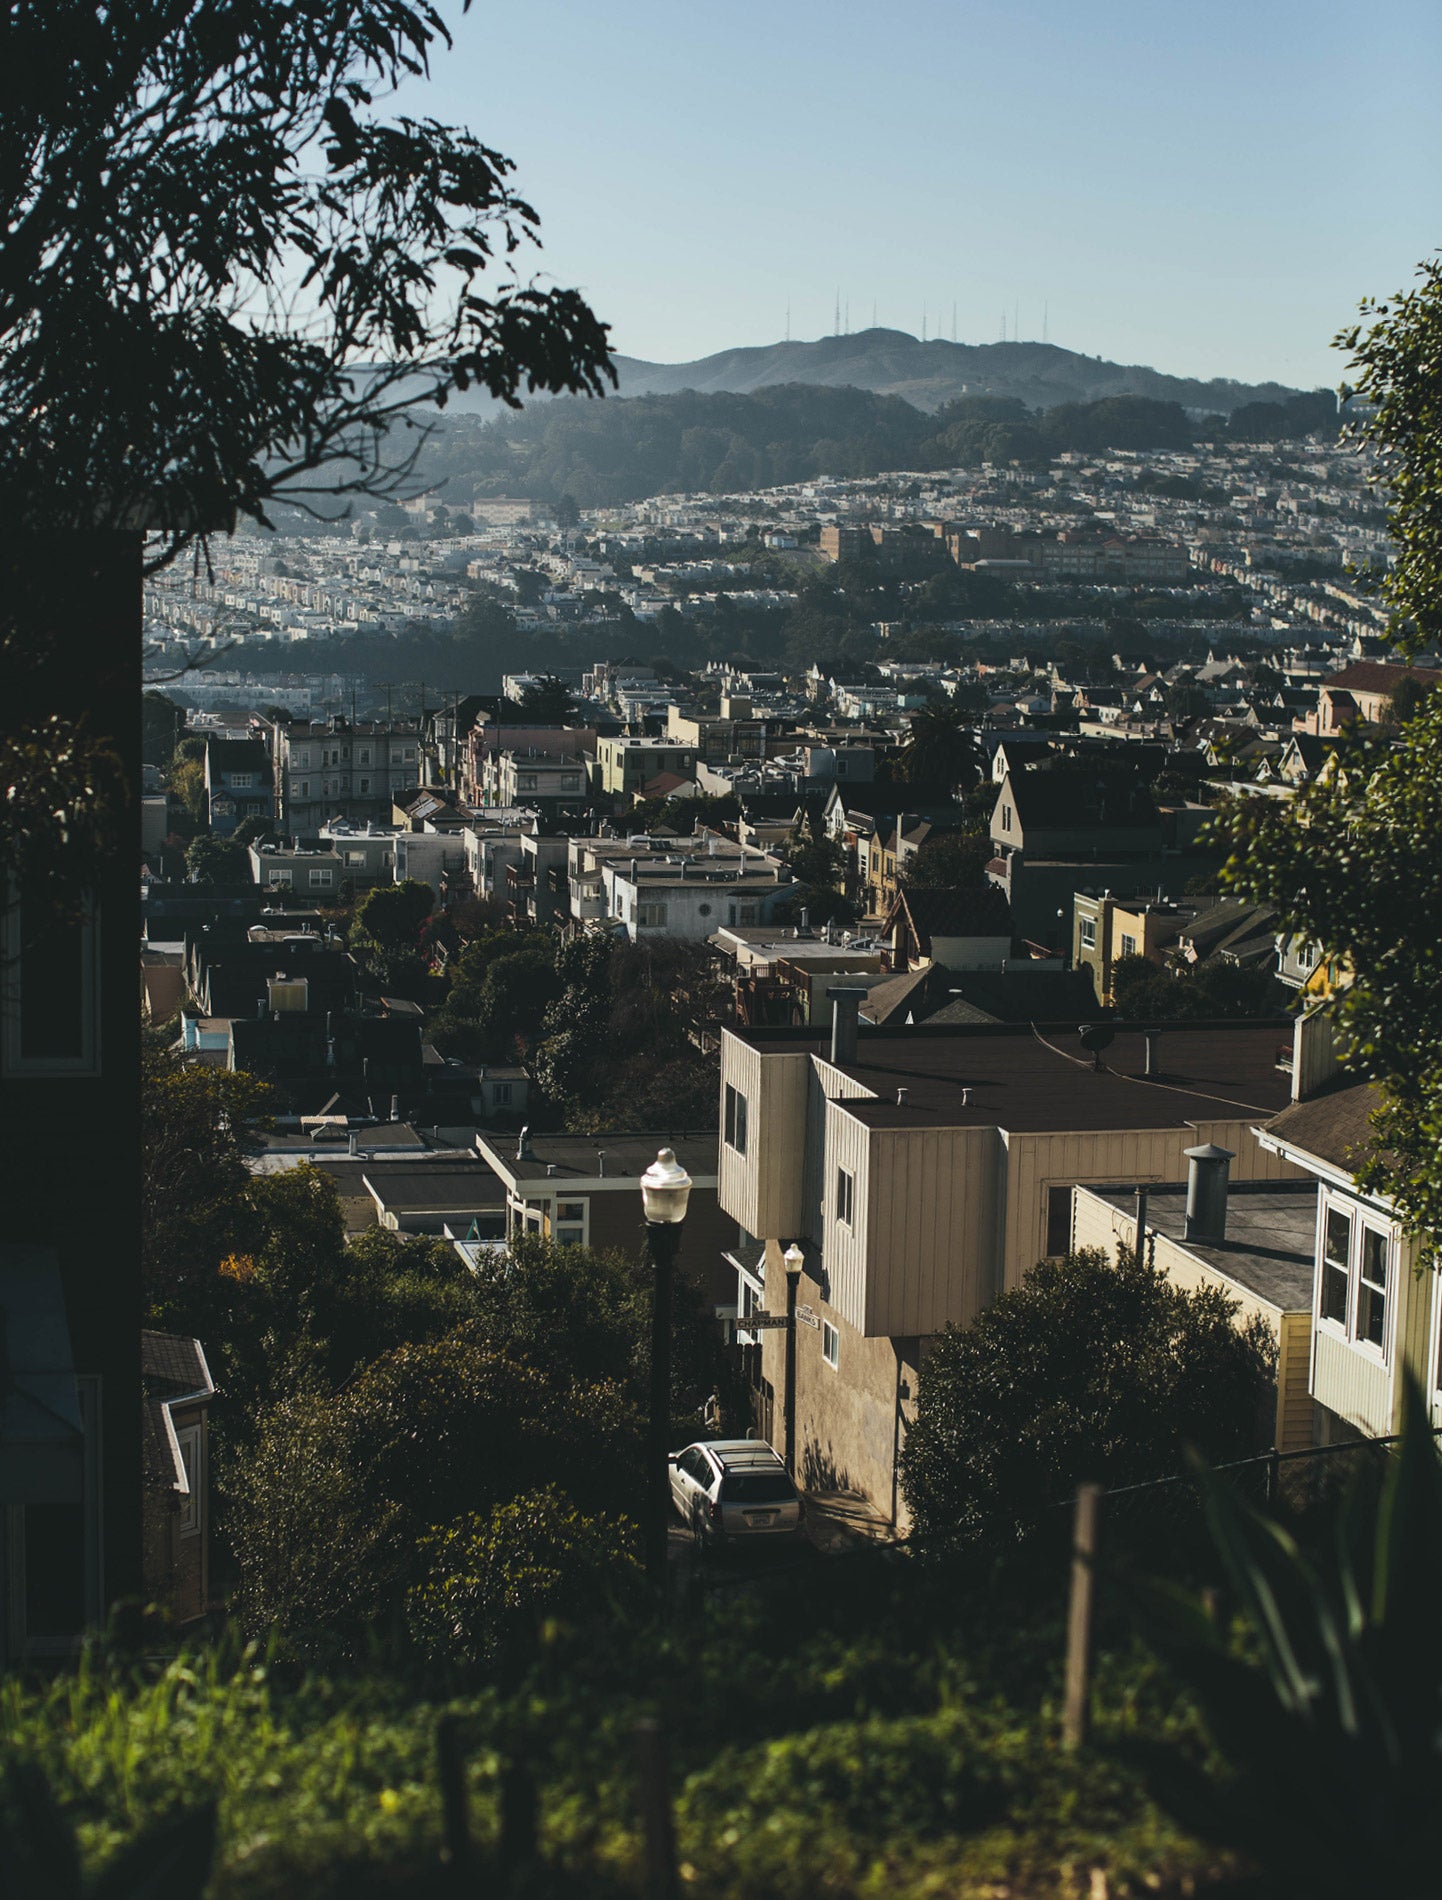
pixel 336 768
pixel 692 897
pixel 924 1170
pixel 627 763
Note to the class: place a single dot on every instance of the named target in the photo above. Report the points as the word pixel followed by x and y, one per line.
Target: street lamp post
pixel 665 1190
pixel 793 1260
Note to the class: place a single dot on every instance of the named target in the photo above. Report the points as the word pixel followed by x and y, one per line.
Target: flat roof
pixel 1270 1240
pixel 627 1156
pixel 1036 1077
pixel 433 1186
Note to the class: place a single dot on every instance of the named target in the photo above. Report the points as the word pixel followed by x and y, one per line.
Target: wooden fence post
pixel 657 1821
pixel 454 1818
pixel 1081 1618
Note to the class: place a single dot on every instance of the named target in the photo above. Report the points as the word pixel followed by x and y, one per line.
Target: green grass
pixel 897 1750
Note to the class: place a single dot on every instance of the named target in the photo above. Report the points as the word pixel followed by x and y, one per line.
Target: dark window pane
pixel 757 1488
pixel 1334 1294
pixel 54 1569
pixel 1058 1220
pixel 52 990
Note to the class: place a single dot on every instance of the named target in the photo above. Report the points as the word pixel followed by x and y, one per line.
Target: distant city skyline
pixel 1210 191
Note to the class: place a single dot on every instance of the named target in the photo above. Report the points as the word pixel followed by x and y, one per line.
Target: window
pixel 501 1094
pixel 320 880
pixel 242 781
pixel 526 781
pixel 303 789
pixel 49 994
pixel 1006 817
pixel 1372 1288
pixel 830 1344
pixel 1058 1222
pixel 748 914
pixel 356 857
pixel 1129 945
pixel 365 784
pixel 568 1229
pixel 280 880
pixel 651 916
pixel 363 757
pixel 1336 1265
pixel 189 1441
pixel 845 1195
pixel 570 781
pixel 1088 933
pixel 735 1119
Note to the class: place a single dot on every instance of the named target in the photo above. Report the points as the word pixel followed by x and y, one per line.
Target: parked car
pixel 734 1490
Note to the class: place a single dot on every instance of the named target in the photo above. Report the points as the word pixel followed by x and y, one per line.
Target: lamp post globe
pixel 665 1192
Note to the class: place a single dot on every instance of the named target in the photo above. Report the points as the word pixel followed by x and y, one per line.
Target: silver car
pixel 734 1490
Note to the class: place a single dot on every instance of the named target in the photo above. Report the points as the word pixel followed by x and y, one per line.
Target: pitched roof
pixel 1335 1127
pixel 970 910
pixel 1073 798
pixel 1374 676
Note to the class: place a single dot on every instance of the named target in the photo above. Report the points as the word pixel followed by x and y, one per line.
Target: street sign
pixel 758 1322
pixel 807 1316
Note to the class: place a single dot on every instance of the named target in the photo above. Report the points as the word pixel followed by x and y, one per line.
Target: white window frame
pixel 322 880
pixel 830 1346
pixel 652 914
pixel 577 1232
pixel 1087 930
pixel 1128 938
pixel 846 1197
pixel 1362 1221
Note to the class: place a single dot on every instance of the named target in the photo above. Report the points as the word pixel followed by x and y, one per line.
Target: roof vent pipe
pixel 1207 1170
pixel 395 1108
pixel 901 1098
pixel 1151 1037
pixel 524 1150
pixel 845 1005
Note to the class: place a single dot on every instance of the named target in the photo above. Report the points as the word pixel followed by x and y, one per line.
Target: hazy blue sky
pixel 1209 188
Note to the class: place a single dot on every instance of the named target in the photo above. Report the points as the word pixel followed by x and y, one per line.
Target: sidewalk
pixel 840 1521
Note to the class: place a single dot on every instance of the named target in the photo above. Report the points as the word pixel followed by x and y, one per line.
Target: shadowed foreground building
pixel 923 1171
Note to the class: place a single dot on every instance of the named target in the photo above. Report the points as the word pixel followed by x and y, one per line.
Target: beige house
pixel 1260 1256
pixel 923 1170
pixel 1376 1309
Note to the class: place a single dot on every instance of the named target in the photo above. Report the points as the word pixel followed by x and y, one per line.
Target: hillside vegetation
pixel 620 450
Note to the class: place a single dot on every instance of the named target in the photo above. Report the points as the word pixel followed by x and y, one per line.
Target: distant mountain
pixel 893 363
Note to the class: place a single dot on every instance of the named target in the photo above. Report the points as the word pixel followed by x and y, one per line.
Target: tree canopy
pixel 1354 862
pixel 228 277
pixel 1089 1370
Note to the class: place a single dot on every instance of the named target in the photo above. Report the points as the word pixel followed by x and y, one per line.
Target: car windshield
pixel 762 1487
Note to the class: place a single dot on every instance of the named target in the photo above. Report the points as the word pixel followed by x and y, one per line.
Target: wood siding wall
pixel 930 1239
pixel 762 1189
pixel 1357 1387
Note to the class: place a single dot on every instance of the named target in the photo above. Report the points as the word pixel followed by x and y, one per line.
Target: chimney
pixel 1207 1171
pixel 524 1150
pixel 845 1004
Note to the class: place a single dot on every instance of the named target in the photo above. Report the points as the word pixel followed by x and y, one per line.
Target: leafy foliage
pixel 331 1510
pixel 385 935
pixel 179 181
pixel 494 1579
pixel 40 1860
pixel 1144 992
pixel 1089 1370
pixel 1329 1716
pixel 939 749
pixel 212 860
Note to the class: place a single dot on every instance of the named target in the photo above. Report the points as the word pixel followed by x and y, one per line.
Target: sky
pixel 1210 188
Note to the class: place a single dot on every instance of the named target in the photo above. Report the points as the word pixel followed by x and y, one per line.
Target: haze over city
pixel 1209 190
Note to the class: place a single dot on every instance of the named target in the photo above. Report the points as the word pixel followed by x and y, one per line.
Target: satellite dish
pixel 1094 1038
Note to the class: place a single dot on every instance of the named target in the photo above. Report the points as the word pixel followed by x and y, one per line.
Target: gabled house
pixel 962 929
pixel 237 777
pixel 1376 1307
pixel 178 1391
